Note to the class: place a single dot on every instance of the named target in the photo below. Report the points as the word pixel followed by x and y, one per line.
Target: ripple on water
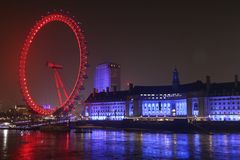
pixel 102 144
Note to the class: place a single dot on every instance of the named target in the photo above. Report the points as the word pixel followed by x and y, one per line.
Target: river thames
pixel 107 144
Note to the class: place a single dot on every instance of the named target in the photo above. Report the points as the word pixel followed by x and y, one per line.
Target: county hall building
pixel 193 101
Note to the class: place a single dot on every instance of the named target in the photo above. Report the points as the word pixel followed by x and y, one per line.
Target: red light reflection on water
pixel 41 145
pixel 27 148
pixel 67 141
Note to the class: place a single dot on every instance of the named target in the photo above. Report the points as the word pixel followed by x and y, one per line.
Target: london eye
pixel 68 101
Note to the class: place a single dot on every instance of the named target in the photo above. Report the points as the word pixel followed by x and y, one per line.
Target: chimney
pixel 114 88
pixel 107 89
pixel 236 80
pixel 208 82
pixel 94 92
pixel 130 85
pixel 175 79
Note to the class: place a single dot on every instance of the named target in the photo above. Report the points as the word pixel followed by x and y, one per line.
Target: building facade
pixel 107 77
pixel 223 101
pixel 193 101
pixel 106 105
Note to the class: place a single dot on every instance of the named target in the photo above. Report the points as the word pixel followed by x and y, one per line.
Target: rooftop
pixel 226 88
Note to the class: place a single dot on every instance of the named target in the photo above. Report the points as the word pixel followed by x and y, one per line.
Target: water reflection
pixel 5 138
pixel 101 144
pixel 4 143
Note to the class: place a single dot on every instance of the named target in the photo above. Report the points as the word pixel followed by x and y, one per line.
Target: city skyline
pixel 119 79
pixel 146 38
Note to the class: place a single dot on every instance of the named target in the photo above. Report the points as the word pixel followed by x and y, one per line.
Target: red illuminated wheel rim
pixel 59 17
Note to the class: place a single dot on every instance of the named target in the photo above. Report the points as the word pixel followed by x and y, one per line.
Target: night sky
pixel 146 38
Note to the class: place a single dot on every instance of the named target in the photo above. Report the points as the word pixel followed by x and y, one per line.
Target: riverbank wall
pixel 172 126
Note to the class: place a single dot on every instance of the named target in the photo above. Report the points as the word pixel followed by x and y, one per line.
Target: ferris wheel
pixel 68 101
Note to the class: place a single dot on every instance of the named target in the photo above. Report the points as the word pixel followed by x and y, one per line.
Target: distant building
pixel 107 77
pixel 197 100
pixel 107 105
pixel 22 109
pixel 46 106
